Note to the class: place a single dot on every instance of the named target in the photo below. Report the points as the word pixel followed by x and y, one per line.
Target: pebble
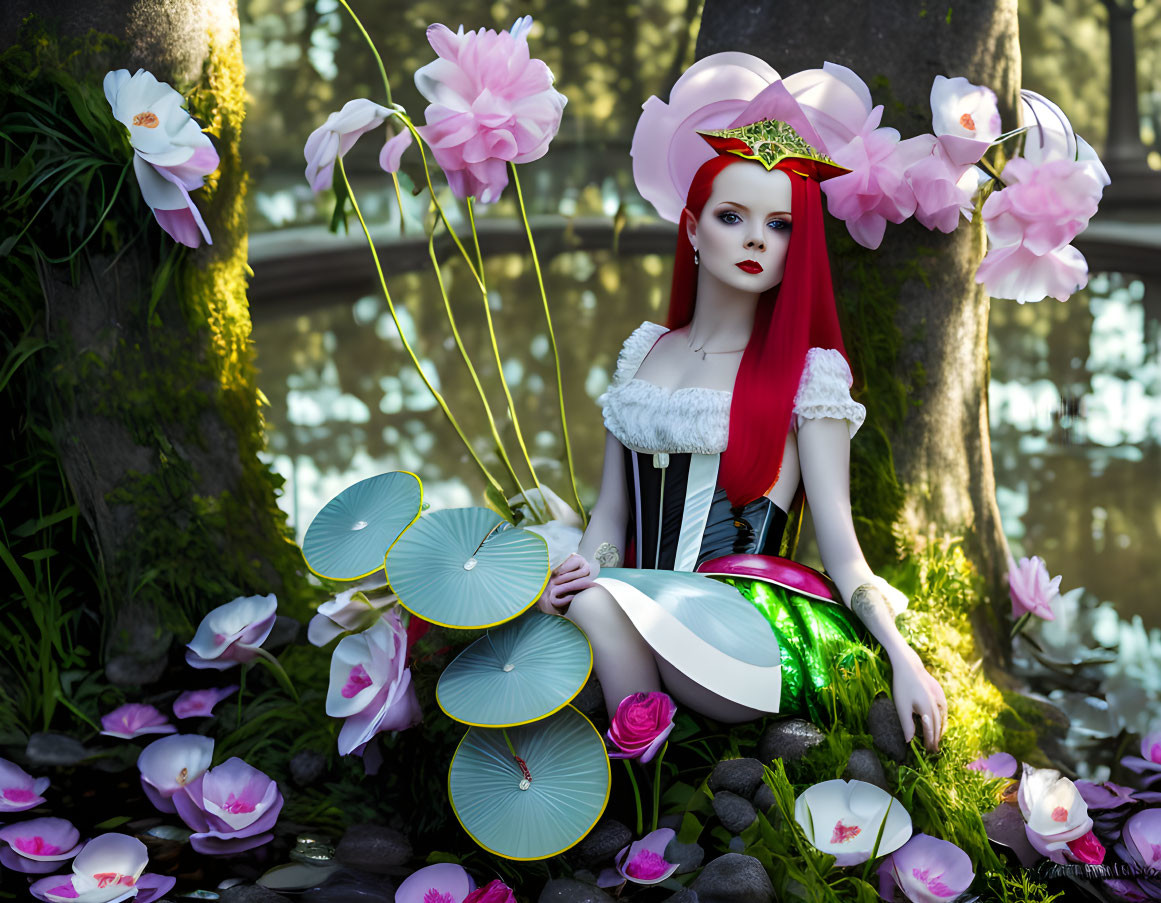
pixel 736 813
pixel 885 730
pixel 251 893
pixel 54 749
pixel 740 776
pixel 373 848
pixel 733 878
pixel 789 740
pixel 565 890
pixel 687 856
pixel 764 799
pixel 864 765
pixel 603 842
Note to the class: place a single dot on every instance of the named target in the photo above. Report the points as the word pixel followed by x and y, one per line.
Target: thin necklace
pixel 701 350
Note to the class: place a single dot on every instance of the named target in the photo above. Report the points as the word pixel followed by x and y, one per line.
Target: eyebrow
pixel 747 209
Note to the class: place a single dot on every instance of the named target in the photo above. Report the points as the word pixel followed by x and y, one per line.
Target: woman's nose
pixel 756 242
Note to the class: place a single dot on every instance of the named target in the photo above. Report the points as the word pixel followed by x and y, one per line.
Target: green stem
pixel 552 343
pixel 275 666
pixel 636 794
pixel 657 785
pixel 403 337
pixel 991 171
pixel 1020 624
pixel 241 693
pixel 63 700
pixel 451 319
pixel 500 371
pixel 507 739
pixel 371 44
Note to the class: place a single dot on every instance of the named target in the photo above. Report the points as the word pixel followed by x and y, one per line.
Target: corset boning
pixel 756 527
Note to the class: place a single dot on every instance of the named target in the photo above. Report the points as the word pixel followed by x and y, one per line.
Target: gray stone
pixel 373 848
pixel 885 730
pixel 740 776
pixel 306 767
pixel 763 798
pixel 565 890
pixel 601 844
pixel 137 649
pixel 736 813
pixel 251 893
pixel 670 821
pixel 685 895
pixel 591 698
pixel 132 671
pixel 54 749
pixel 346 886
pixel 864 765
pixel 789 740
pixel 733 878
pixel 688 856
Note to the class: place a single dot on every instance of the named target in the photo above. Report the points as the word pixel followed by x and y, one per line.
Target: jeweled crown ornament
pixel 770 142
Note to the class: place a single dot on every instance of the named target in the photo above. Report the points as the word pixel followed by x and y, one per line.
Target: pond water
pixel 1075 402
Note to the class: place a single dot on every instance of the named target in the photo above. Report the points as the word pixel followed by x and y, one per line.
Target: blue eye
pixel 729 217
pixel 778 224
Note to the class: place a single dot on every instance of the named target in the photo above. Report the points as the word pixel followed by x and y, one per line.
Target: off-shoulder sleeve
pixel 825 390
pixel 632 354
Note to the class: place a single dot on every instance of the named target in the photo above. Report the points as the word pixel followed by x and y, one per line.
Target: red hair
pixel 793 317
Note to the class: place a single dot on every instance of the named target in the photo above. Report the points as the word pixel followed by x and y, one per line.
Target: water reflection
pixel 1075 402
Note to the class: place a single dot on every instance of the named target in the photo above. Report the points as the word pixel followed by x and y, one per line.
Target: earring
pixel 696 262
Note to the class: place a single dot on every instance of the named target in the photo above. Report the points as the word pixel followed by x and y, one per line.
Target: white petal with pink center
pixel 107 869
pixel 363 664
pixel 843 818
pixel 244 622
pixel 1054 811
pixel 238 794
pixel 171 763
pixel 43 839
pixel 964 117
pixel 19 791
pixel 350 611
pixel 159 128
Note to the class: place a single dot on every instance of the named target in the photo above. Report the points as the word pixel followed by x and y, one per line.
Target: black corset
pixel 754 528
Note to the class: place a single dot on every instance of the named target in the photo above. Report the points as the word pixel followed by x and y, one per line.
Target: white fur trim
pixel 825 390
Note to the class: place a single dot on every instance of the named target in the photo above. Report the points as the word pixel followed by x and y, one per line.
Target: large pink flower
pixel 641 724
pixel 135 720
pixel 1031 589
pixel 108 869
pixel 943 189
pixel 1055 814
pixel 232 632
pixel 36 846
pixel 1030 224
pixel 19 791
pixel 926 870
pixel 231 808
pixel 172 155
pixel 370 687
pixel 444 882
pixel 642 862
pixel 490 103
pixel 1149 762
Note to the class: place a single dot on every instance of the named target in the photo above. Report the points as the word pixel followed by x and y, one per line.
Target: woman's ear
pixel 689 223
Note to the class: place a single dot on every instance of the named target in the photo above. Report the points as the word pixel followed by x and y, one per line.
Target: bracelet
pixel 607 555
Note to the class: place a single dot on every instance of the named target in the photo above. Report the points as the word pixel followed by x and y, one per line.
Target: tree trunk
pixel 915 322
pixel 153 407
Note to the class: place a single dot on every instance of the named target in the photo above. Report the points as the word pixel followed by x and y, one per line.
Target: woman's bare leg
pixel 699 699
pixel 623 661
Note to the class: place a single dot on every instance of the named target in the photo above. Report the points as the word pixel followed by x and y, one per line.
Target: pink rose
pixel 642 723
pixel 495 891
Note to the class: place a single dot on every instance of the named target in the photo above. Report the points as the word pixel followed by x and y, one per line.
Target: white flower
pixel 172 155
pixel 964 118
pixel 843 818
pixel 1054 811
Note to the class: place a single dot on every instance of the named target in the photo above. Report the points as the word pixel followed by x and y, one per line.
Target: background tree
pixel 916 324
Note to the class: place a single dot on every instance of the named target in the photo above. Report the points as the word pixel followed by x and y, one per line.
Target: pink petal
pixel 392 153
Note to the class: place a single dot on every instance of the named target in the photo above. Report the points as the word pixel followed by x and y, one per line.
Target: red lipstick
pixel 750 266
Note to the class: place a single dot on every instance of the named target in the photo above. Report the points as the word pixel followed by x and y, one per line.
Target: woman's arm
pixel 824 451
pixel 603 539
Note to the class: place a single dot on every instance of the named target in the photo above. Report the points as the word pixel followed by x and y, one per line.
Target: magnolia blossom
pixel 231 633
pixel 490 103
pixel 1031 589
pixel 135 720
pixel 1055 815
pixel 19 791
pixel 926 870
pixel 200 703
pixel 369 686
pixel 843 818
pixel 1149 762
pixel 36 846
pixel 231 808
pixel 172 155
pixel 1030 224
pixel 444 882
pixel 169 764
pixel 108 869
pixel 964 117
pixel 997 765
pixel 338 135
pixel 642 862
pixel 641 724
pixel 348 612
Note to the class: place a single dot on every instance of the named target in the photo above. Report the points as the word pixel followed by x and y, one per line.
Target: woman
pixel 711 423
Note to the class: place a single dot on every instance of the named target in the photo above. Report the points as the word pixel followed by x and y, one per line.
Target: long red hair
pixel 793 317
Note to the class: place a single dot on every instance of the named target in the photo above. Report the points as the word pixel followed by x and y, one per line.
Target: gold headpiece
pixel 770 142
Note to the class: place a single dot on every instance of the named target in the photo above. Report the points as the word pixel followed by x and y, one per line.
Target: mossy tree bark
pixel 915 321
pixel 153 403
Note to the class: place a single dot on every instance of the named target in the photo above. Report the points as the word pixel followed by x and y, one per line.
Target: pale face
pixel 744 229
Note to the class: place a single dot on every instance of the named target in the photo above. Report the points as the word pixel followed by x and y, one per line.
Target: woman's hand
pixel 918 693
pixel 572 575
